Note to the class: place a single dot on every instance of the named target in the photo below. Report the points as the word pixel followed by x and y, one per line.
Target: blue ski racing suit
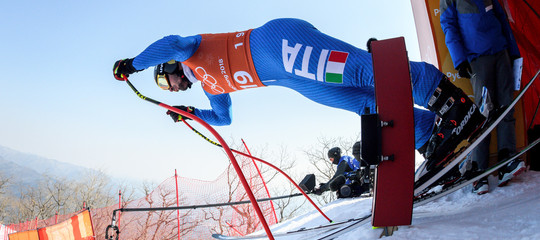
pixel 292 53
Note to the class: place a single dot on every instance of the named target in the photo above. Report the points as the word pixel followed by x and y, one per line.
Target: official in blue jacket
pixel 482 47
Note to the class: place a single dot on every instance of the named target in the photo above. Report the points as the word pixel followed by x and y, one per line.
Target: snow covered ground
pixel 511 212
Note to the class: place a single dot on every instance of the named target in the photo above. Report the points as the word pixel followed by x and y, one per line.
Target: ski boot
pixel 481 186
pixel 458 119
pixel 469 170
pixel 512 169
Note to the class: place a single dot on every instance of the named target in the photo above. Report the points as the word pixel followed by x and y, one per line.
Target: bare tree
pixel 157 224
pixel 60 191
pixel 278 185
pixel 4 198
pixel 34 202
pixel 152 224
pixel 287 208
pixel 54 195
pixel 95 189
pixel 220 216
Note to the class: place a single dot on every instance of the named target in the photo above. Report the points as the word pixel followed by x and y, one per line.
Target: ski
pixel 345 229
pixel 303 231
pixel 306 230
pixel 422 184
pixel 460 184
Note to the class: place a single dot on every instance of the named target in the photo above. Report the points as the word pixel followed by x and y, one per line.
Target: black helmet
pixel 161 71
pixel 368 44
pixel 357 150
pixel 335 153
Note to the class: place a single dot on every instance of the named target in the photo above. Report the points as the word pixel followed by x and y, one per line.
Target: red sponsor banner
pixel 524 20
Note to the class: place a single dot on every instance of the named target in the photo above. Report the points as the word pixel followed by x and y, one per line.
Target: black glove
pixel 177 117
pixel 317 191
pixel 122 69
pixel 464 69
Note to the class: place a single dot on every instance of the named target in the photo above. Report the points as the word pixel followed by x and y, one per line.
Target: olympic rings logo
pixel 209 80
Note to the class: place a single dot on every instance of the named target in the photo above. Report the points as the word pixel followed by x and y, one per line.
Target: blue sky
pixel 58 98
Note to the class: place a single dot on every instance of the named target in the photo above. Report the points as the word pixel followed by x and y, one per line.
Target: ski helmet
pixel 368 44
pixel 357 150
pixel 334 153
pixel 161 71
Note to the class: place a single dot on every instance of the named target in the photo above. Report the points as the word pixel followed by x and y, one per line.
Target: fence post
pixel 177 202
pixel 119 206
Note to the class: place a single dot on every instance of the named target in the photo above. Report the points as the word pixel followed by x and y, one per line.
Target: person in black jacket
pixel 347 180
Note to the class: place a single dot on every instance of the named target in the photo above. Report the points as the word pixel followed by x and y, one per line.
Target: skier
pixel 292 53
pixel 348 178
pixel 481 43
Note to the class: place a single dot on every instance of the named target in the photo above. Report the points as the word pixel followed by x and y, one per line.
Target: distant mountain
pixel 27 168
pixel 18 173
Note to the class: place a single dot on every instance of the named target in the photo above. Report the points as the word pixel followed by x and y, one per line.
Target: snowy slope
pixel 511 212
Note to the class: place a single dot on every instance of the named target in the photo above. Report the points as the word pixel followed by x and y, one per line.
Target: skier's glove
pixel 177 117
pixel 464 69
pixel 122 69
pixel 317 191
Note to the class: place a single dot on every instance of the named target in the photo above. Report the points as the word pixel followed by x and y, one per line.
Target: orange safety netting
pixel 5 231
pixel 35 224
pixel 199 223
pixel 202 222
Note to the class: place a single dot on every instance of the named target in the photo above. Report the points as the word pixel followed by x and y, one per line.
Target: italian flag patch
pixel 335 66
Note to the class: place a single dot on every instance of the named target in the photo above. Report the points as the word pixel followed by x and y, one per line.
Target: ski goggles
pixel 162 80
pixel 161 71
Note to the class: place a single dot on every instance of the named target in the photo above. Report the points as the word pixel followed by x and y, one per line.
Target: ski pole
pixel 225 147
